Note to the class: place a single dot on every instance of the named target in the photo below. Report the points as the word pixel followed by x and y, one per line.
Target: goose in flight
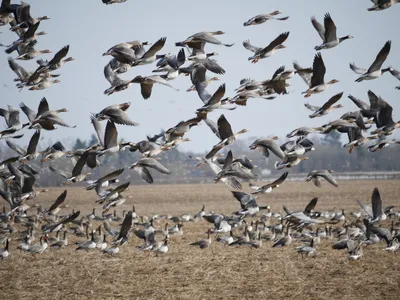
pixel 374 70
pixel 260 19
pixel 315 176
pixel 142 165
pixel 317 83
pixel 260 53
pixel 327 32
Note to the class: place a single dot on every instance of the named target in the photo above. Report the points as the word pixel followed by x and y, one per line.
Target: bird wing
pixel 20 71
pixel 110 176
pixel 60 199
pixel 311 205
pixel 328 177
pixel 126 226
pixel 15 147
pixel 144 173
pixel 318 71
pixel 157 46
pixel 357 69
pixel 110 75
pixel 77 170
pixel 110 135
pixel 118 116
pixel 278 71
pixel 59 56
pixel 250 47
pixel 360 104
pixel 312 107
pixel 228 160
pixel 216 98
pixel 277 182
pixel 278 41
pixel 319 28
pixel 119 189
pixel 98 128
pixel 155 164
pixel 332 101
pixel 43 107
pixel 376 204
pixel 273 147
pixel 31 115
pixel 33 143
pixel 224 128
pixel 204 95
pixel 330 29
pixel 213 126
pixel 213 66
pixel 305 74
pixel 380 58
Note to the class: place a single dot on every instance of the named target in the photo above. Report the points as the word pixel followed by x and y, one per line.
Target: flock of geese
pixel 310 226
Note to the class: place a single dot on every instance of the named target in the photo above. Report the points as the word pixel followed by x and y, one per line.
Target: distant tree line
pixel 329 154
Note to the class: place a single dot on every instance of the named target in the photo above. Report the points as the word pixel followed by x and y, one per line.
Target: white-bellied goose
pixel 260 53
pixel 374 70
pixel 317 83
pixel 327 32
pixel 260 19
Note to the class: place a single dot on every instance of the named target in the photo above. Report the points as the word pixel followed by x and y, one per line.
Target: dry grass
pixel 218 272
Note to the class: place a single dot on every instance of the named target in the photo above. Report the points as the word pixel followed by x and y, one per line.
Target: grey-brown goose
pixel 146 84
pixel 142 165
pixel 30 153
pixel 267 188
pixel 206 37
pixel 382 4
pixel 117 114
pixel 260 53
pixel 56 62
pixel 327 107
pixel 374 70
pixel 150 55
pixel 317 83
pixel 23 17
pixel 202 244
pixel 117 84
pixel 260 19
pixel 357 139
pixel 233 169
pixel 315 176
pixel 327 32
pixel 226 136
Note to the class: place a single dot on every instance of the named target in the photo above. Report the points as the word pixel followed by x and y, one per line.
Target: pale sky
pixel 90 28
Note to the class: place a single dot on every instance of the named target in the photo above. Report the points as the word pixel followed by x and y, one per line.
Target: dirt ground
pixel 218 272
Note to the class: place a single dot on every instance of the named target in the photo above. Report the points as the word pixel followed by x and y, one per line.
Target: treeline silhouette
pixel 329 154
